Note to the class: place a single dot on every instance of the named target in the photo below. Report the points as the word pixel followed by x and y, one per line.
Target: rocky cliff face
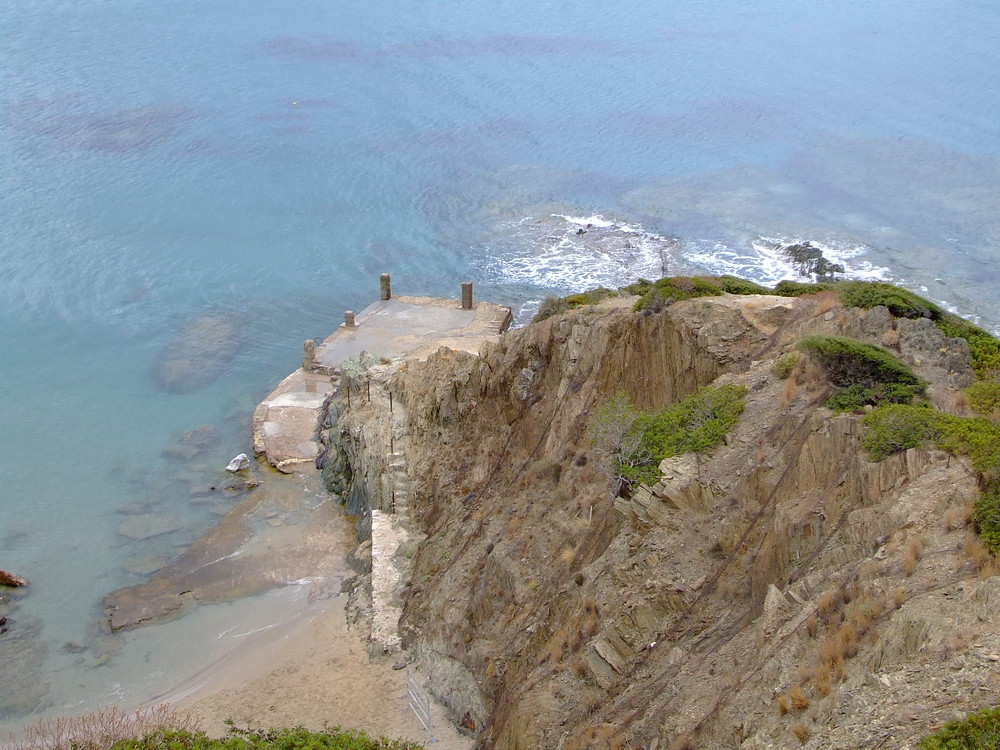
pixel 779 591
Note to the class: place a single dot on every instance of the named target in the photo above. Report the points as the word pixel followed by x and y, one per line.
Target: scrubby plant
pixel 676 288
pixel 692 425
pixel 900 302
pixel 861 374
pixel 984 397
pixel 735 285
pixel 898 427
pixel 976 731
pixel 550 306
pixel 785 364
pixel 789 288
pixel 553 305
pixel 983 346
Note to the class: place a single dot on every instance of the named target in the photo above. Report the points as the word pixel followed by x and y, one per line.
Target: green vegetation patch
pixel 984 397
pixel 552 305
pixel 900 302
pixel 984 347
pixel 798 288
pixel 785 364
pixel 692 425
pixel 297 738
pixel 895 428
pixel 674 289
pixel 905 304
pixel 977 731
pixel 862 374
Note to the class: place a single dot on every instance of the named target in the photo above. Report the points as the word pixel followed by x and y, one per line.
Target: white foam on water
pixel 571 253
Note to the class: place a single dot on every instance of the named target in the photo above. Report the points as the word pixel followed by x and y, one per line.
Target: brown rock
pixel 11 579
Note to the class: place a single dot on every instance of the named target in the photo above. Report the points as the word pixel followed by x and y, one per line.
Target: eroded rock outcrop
pixel 779 590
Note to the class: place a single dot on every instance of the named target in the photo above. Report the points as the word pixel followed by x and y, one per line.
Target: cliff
pixel 778 590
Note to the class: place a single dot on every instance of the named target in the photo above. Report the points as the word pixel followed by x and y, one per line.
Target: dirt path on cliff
pixel 317 673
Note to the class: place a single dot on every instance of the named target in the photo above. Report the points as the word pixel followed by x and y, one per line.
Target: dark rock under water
pixel 199 354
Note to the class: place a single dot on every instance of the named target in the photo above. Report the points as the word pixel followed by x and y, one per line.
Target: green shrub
pixel 296 738
pixel 798 288
pixel 897 427
pixel 692 425
pixel 984 396
pixel 785 364
pixel 984 347
pixel 550 306
pixel 900 302
pixel 734 285
pixel 977 731
pixel 862 374
pixel 591 297
pixel 674 289
pixel 986 516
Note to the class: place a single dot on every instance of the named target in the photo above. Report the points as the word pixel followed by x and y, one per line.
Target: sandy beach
pixel 314 673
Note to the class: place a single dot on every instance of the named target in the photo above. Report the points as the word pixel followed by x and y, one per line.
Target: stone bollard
pixel 466 295
pixel 384 286
pixel 349 318
pixel 308 355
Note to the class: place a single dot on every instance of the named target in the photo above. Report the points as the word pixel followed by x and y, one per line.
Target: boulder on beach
pixel 199 354
pixel 11 579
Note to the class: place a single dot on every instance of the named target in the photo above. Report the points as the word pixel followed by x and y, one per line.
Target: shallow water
pixel 164 163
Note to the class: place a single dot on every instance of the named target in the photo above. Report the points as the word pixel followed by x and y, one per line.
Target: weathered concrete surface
pixel 285 423
pixel 415 327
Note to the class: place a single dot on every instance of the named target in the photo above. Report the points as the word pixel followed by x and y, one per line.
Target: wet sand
pixel 315 672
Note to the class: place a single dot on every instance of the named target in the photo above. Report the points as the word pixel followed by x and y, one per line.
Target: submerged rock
pixel 11 579
pixel 199 354
pixel 148 525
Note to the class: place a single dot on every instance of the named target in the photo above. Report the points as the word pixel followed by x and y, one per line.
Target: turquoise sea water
pixel 264 162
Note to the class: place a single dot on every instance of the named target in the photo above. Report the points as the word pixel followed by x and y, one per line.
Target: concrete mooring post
pixel 466 295
pixel 308 354
pixel 349 318
pixel 386 291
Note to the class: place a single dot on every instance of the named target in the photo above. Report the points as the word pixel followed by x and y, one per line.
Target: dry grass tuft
pixel 825 301
pixel 567 555
pixel 823 679
pixel 798 698
pixel 101 729
pixel 812 626
pixel 890 338
pixel 914 550
pixel 899 597
pixel 977 553
pixel 801 732
pixel 789 391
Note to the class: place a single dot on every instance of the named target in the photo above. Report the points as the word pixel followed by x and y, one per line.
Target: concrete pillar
pixel 308 354
pixel 349 318
pixel 384 286
pixel 466 295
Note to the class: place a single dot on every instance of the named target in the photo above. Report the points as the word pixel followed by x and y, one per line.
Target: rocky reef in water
pixel 780 589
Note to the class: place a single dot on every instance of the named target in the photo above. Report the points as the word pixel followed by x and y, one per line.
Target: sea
pixel 257 164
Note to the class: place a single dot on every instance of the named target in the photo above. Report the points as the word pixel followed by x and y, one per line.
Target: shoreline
pixel 314 672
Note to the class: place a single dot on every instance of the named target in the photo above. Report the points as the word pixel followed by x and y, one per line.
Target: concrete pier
pixel 285 423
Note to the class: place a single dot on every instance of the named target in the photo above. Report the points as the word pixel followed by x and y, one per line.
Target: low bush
pixel 862 374
pixel 676 288
pixel 984 346
pixel 785 364
pixel 984 397
pixel 900 302
pixel 296 738
pixel 977 731
pixel 798 288
pixel 735 285
pixel 553 305
pixel 898 427
pixel 692 425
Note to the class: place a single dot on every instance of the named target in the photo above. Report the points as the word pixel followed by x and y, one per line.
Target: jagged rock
pixel 11 579
pixel 240 463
